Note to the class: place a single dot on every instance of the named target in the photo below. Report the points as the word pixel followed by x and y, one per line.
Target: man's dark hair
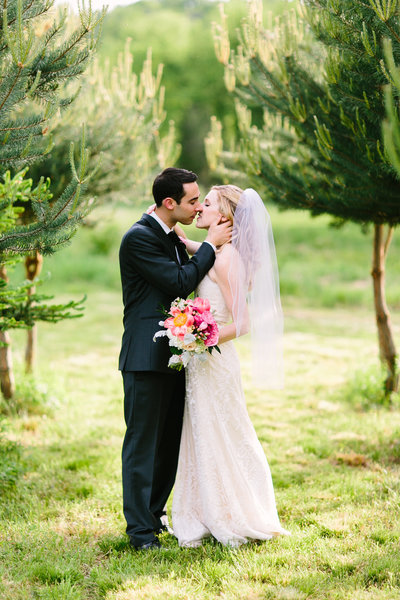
pixel 169 184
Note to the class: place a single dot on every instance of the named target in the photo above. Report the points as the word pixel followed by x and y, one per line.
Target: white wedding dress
pixel 223 486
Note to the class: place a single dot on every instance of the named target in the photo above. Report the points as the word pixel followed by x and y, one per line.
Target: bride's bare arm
pixel 179 231
pixel 221 270
pixel 191 245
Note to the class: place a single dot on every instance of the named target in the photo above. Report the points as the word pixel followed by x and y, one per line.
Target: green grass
pixel 332 444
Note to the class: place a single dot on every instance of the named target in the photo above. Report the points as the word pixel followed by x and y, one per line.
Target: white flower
pixel 179 303
pixel 176 342
pixel 189 338
pixel 185 356
pixel 159 334
pixel 175 359
pixel 190 347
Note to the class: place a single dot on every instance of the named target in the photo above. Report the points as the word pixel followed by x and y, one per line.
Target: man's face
pixel 186 211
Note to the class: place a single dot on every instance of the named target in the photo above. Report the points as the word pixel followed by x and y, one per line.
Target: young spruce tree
pixel 318 76
pixel 34 64
pixel 123 113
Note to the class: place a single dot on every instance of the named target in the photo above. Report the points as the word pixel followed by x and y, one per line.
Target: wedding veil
pixel 254 283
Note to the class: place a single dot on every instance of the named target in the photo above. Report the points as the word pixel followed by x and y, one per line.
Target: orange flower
pixel 180 319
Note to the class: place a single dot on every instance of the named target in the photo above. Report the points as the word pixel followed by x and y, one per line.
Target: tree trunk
pixel 7 382
pixel 387 348
pixel 6 368
pixel 33 266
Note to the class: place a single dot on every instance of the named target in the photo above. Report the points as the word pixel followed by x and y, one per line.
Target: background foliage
pixel 180 35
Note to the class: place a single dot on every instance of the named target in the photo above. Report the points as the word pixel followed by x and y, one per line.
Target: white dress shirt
pixel 168 230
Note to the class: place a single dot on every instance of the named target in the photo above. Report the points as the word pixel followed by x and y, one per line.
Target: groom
pixel 155 269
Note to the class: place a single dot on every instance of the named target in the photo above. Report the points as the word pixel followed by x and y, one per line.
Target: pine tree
pixel 123 114
pixel 36 59
pixel 33 66
pixel 319 76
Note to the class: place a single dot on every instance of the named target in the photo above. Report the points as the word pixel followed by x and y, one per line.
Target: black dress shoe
pixel 164 529
pixel 153 545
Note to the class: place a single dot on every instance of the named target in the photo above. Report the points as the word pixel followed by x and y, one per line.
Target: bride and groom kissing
pixel 191 427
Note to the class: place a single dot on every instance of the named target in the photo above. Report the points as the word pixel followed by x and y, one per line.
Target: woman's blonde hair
pixel 228 198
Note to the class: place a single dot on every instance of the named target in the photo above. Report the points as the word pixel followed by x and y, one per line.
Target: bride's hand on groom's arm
pixel 191 246
pixel 218 234
pixel 179 231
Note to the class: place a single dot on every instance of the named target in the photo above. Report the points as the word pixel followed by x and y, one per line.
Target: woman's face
pixel 209 212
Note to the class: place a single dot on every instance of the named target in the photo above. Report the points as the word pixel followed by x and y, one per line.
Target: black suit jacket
pixel 152 278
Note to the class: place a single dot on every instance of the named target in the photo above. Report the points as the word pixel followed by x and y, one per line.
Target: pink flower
pixel 180 332
pixel 181 306
pixel 180 324
pixel 169 323
pixel 201 304
pixel 189 309
pixel 198 321
pixel 213 335
pixel 211 330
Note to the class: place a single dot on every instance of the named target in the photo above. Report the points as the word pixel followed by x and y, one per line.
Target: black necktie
pixel 180 246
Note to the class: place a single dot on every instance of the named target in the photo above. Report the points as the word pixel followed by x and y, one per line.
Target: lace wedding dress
pixel 223 486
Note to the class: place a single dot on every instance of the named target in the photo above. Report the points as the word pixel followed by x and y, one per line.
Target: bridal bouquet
pixel 191 329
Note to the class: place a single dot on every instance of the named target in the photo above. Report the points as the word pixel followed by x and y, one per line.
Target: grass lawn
pixel 334 453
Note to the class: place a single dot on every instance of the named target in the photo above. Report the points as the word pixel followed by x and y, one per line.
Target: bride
pixel 223 486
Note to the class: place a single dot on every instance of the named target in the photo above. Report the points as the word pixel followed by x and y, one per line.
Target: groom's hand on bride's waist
pixel 220 233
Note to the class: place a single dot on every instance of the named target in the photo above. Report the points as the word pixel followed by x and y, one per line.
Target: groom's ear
pixel 169 203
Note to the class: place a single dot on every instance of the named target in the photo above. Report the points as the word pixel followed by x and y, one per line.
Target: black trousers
pixel 153 406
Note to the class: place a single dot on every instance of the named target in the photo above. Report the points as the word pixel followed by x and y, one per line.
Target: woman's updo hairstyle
pixel 228 198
